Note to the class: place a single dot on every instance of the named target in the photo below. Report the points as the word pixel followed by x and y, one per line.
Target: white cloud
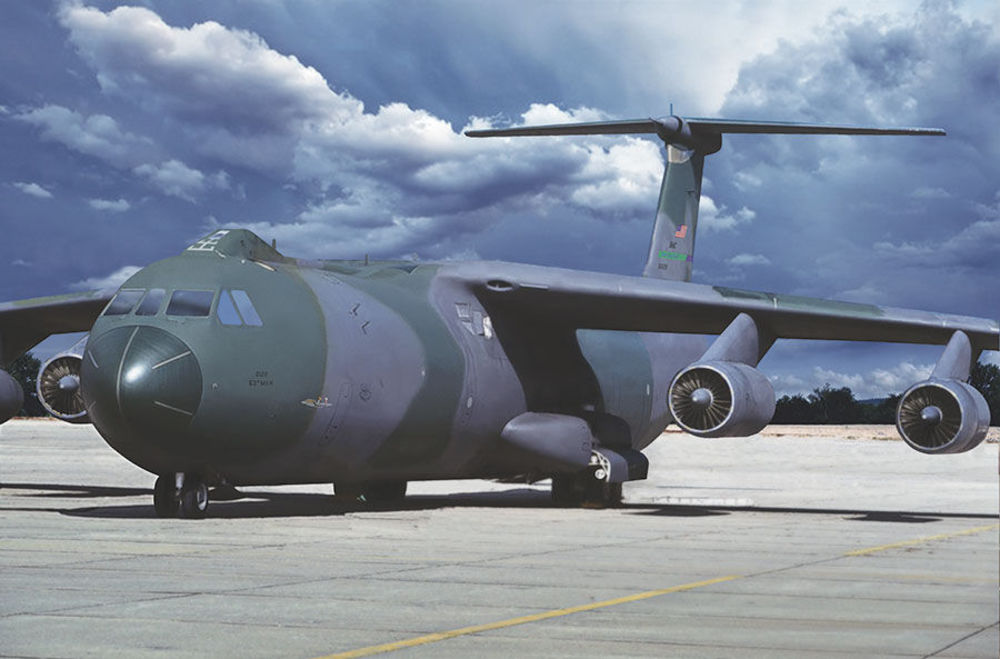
pixel 977 244
pixel 110 205
pixel 204 71
pixel 926 192
pixel 174 178
pixel 112 280
pixel 96 135
pixel 33 189
pixel 746 181
pixel 396 174
pixel 748 259
pixel 713 218
pixel 627 177
pixel 875 383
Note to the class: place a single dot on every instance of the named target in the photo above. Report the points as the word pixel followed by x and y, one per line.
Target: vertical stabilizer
pixel 671 249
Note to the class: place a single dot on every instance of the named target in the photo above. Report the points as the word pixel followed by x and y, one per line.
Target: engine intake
pixel 721 399
pixel 11 396
pixel 58 386
pixel 942 416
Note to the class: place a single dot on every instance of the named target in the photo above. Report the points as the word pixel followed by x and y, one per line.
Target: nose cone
pixel 141 381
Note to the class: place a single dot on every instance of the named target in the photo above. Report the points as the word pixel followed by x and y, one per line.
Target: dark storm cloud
pixel 388 181
pixel 897 221
pixel 887 219
pixel 336 128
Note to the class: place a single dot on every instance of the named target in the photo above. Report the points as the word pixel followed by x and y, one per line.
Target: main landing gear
pixel 180 495
pixel 372 492
pixel 590 488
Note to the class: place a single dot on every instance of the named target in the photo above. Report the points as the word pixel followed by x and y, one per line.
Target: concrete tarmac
pixel 787 544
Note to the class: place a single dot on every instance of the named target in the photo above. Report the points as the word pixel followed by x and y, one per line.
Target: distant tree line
pixel 24 369
pixel 830 405
pixel 823 405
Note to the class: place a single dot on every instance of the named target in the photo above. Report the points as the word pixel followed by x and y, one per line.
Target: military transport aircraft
pixel 234 364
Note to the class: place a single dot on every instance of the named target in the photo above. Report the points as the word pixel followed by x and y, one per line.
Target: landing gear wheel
pixel 565 492
pixel 602 494
pixel 346 492
pixel 384 492
pixel 583 489
pixel 193 499
pixel 165 497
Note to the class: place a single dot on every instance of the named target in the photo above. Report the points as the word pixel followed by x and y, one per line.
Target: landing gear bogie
pixel 180 495
pixel 379 492
pixel 585 489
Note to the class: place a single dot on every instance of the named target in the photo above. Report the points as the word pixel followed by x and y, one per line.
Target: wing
pixel 570 298
pixel 23 323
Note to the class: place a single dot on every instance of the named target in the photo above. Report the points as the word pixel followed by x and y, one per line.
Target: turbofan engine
pixel 942 416
pixel 11 396
pixel 58 385
pixel 721 399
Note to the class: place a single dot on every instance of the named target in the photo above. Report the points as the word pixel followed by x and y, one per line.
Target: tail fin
pixel 671 249
pixel 688 141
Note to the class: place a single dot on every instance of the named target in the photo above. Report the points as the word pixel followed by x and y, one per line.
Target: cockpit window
pixel 151 304
pixel 190 303
pixel 247 309
pixel 123 302
pixel 227 310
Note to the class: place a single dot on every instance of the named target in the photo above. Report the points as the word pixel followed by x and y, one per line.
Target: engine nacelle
pixel 11 396
pixel 58 386
pixel 942 416
pixel 721 399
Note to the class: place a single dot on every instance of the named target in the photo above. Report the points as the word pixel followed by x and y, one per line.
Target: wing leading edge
pixel 588 300
pixel 23 323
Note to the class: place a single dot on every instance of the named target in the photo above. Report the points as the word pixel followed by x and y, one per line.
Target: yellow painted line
pixel 556 613
pixel 920 541
pixel 475 629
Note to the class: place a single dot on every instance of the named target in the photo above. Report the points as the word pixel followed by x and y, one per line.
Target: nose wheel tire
pixel 193 499
pixel 165 497
pixel 190 502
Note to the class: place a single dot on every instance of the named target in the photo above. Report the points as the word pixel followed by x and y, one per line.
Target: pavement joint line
pixel 964 638
pixel 557 613
pixel 510 622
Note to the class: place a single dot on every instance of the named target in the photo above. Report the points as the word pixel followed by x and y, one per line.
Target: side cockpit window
pixel 190 303
pixel 123 302
pixel 235 308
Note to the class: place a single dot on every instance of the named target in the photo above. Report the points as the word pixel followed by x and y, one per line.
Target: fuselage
pixel 253 370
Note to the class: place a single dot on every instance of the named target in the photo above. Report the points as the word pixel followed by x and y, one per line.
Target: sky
pixel 130 130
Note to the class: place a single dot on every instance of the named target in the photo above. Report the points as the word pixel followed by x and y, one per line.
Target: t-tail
pixel 687 140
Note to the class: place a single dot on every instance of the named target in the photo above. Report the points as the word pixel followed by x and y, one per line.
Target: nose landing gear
pixel 180 495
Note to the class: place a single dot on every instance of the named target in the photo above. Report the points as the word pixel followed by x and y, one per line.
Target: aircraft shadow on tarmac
pixel 234 504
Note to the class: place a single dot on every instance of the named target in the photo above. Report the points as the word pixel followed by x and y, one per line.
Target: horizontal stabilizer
pixel 697 133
